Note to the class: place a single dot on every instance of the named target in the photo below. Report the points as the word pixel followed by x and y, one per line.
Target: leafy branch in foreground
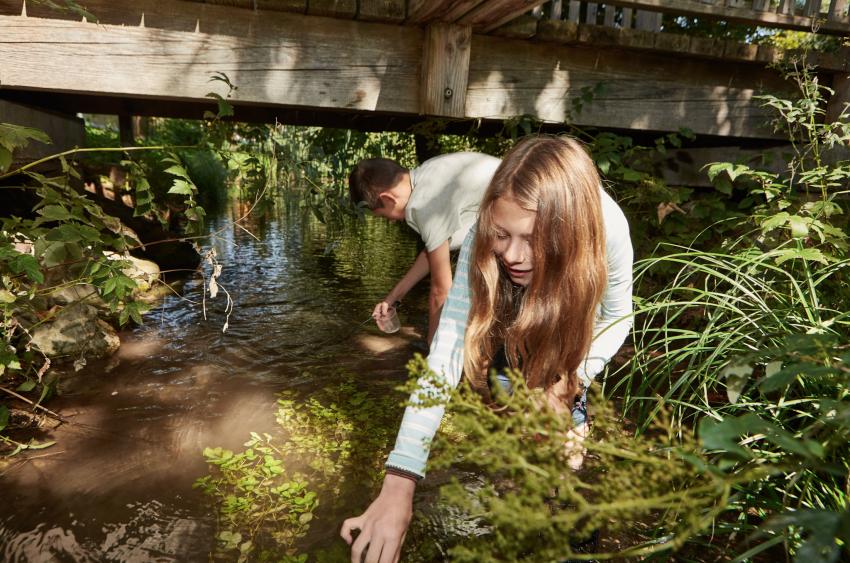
pixel 532 507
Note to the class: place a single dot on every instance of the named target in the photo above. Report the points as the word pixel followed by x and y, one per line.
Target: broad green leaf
pixel 181 187
pixel 775 221
pixel 799 226
pixel 812 254
pixel 54 213
pixel 17 136
pixel 7 296
pixel 26 386
pixel 5 159
pixel 4 416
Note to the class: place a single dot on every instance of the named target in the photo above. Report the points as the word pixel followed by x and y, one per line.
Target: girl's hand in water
pixel 384 524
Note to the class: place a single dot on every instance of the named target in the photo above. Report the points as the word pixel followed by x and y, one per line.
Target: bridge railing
pixel 828 16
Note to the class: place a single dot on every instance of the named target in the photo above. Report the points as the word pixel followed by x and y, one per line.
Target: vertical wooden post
pixel 627 18
pixel 125 130
pixel 445 69
pixel 786 7
pixel 837 9
pixel 839 101
pixel 610 12
pixel 574 9
pixel 555 9
pixel 812 8
pixel 590 16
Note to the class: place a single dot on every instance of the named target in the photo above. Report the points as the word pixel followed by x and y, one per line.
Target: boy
pixel 439 200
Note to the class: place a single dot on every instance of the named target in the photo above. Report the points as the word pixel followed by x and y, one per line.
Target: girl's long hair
pixel 548 334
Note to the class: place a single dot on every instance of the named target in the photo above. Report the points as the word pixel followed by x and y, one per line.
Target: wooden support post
pixel 627 18
pixel 839 101
pixel 445 69
pixel 556 8
pixel 610 12
pixel 574 9
pixel 837 9
pixel 125 130
pixel 812 8
pixel 590 16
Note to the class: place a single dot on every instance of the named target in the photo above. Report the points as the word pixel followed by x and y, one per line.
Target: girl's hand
pixel 384 524
pixel 574 444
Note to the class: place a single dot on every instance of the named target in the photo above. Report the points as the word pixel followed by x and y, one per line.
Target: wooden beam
pixel 490 15
pixel 738 15
pixel 840 100
pixel 445 69
pixel 382 10
pixel 66 131
pixel 651 92
pixel 426 11
pixel 332 8
pixel 286 60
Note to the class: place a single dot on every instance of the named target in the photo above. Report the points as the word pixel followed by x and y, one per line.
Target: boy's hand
pixel 384 524
pixel 381 310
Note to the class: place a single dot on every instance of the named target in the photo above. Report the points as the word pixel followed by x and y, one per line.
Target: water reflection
pixel 117 486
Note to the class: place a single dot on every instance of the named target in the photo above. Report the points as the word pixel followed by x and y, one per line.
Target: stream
pixel 117 485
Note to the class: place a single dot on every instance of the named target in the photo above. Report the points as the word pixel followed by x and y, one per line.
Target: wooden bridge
pixel 387 64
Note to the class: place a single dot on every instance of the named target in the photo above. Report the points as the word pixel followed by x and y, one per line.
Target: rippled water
pixel 117 485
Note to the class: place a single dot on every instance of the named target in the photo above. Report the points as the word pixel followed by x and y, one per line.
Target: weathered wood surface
pixel 285 59
pixel 65 131
pixel 510 77
pixel 493 13
pixel 306 63
pixel 782 18
pixel 445 69
pixel 422 11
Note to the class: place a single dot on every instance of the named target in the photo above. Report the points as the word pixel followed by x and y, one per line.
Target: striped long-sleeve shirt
pixel 445 359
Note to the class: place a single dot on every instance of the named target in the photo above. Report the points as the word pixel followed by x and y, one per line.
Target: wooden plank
pixel 445 69
pixel 812 8
pixel 490 15
pixel 574 10
pixel 298 6
pixel 627 18
pixel 382 10
pixel 66 131
pixel 557 31
pixel 783 18
pixel 647 21
pixel 591 13
pixel 426 11
pixel 661 93
pixel 837 10
pixel 524 27
pixel 840 100
pixel 287 59
pixel 610 13
pixel 332 8
pixel 786 7
pixel 556 9
pixel 711 47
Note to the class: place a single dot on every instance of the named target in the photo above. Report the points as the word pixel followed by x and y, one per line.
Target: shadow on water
pixel 117 486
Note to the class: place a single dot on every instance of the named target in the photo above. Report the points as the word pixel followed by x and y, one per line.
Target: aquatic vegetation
pixel 329 448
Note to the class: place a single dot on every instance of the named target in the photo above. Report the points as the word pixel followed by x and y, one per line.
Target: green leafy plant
pixel 335 437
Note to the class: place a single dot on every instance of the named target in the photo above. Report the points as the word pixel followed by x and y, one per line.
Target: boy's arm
pixel 414 275
pixel 441 282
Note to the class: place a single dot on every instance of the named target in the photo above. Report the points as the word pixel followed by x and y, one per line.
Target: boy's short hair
pixel 372 177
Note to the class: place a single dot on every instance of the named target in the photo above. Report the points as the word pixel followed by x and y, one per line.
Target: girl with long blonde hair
pixel 543 285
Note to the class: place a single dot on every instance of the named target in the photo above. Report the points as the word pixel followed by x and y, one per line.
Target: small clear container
pixel 389 322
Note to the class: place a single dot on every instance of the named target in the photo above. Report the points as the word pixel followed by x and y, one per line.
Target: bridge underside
pixel 154 57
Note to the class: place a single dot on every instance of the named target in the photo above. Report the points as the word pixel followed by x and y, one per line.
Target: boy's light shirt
pixel 614 321
pixel 447 192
